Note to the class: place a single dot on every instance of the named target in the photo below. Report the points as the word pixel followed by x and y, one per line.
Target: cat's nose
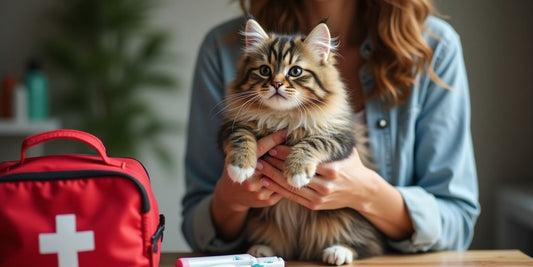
pixel 277 85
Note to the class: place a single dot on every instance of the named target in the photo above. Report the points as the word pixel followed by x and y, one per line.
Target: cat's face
pixel 282 73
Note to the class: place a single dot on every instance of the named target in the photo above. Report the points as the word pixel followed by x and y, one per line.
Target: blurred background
pixel 133 60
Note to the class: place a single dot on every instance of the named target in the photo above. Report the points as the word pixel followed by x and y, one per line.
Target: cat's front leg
pixel 299 171
pixel 304 158
pixel 302 162
pixel 242 155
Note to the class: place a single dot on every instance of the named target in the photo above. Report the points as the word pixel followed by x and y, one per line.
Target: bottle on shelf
pixel 9 83
pixel 37 88
pixel 20 104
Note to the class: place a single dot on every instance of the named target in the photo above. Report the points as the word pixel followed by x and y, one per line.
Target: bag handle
pixel 77 135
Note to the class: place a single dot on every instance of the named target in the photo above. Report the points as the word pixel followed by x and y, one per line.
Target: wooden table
pixel 447 258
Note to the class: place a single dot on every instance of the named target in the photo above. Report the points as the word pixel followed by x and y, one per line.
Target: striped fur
pixel 290 82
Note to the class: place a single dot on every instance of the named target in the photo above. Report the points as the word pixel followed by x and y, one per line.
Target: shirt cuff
pixel 205 232
pixel 424 211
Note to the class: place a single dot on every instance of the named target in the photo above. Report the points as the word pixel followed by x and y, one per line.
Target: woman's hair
pixel 394 27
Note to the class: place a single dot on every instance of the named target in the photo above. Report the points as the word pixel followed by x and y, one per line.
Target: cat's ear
pixel 253 34
pixel 319 39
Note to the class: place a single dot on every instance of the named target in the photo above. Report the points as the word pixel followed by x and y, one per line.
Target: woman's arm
pixel 443 199
pixel 204 161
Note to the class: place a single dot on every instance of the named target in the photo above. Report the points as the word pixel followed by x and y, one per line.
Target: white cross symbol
pixel 66 242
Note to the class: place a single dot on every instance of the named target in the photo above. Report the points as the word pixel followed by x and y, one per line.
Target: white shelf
pixel 13 128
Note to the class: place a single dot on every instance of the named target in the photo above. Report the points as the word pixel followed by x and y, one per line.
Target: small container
pixel 20 104
pixel 37 86
pixel 8 87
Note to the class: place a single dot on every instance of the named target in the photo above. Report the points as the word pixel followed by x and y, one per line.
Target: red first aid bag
pixel 77 210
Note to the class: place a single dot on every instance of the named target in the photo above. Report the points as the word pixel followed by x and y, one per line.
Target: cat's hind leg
pixel 338 255
pixel 261 251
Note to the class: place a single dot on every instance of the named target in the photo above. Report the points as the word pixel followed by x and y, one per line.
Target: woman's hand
pixel 231 200
pixel 338 184
pixel 240 197
pixel 341 184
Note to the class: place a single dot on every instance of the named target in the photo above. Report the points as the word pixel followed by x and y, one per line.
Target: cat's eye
pixel 264 70
pixel 295 71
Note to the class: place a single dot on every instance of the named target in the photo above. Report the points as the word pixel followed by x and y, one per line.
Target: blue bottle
pixel 37 86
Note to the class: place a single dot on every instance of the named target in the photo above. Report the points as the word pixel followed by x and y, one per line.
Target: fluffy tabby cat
pixel 291 82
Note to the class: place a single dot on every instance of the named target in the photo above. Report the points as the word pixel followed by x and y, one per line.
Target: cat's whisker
pixel 261 103
pixel 240 96
pixel 303 113
pixel 312 104
pixel 301 109
pixel 245 106
pixel 229 98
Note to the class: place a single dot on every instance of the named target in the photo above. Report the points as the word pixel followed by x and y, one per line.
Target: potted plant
pixel 105 54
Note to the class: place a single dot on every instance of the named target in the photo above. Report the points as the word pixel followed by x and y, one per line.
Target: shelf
pixel 12 128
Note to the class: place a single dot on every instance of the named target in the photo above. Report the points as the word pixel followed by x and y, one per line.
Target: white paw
pixel 299 180
pixel 238 174
pixel 337 255
pixel 261 251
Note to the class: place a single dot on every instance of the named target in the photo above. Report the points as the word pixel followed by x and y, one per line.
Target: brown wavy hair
pixel 395 28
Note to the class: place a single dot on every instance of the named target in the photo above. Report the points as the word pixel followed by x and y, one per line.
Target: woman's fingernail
pixel 273 152
pixel 259 166
pixel 265 182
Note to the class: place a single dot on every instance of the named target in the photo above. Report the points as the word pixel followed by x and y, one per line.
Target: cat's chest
pixel 294 133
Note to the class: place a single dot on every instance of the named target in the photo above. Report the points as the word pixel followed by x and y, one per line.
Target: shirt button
pixel 382 124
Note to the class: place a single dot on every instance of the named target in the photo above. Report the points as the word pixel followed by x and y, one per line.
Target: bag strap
pixel 84 137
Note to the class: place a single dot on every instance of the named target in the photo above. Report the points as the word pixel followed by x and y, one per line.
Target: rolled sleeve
pixel 205 235
pixel 424 212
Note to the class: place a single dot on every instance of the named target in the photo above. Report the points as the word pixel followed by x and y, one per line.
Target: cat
pixel 291 82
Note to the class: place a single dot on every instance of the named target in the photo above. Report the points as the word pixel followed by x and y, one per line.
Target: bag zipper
pixel 79 174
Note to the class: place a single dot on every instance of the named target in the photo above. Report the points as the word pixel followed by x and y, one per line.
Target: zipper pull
pixel 158 233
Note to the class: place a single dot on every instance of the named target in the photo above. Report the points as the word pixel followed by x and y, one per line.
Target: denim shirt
pixel 423 147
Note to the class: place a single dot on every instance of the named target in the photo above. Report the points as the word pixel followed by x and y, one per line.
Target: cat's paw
pixel 338 255
pixel 261 251
pixel 299 180
pixel 299 172
pixel 238 174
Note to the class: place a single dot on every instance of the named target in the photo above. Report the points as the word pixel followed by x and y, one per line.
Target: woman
pixel 404 69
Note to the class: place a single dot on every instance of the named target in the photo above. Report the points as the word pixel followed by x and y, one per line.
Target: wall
pixel 496 38
pixel 188 20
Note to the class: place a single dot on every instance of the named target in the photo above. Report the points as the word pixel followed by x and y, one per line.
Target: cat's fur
pixel 291 82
